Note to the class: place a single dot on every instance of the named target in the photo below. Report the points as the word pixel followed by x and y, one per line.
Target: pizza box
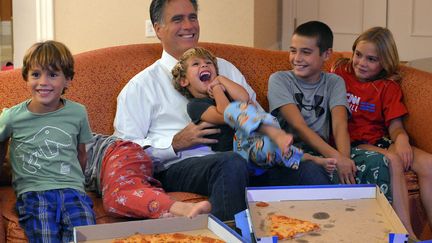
pixel 345 213
pixel 205 224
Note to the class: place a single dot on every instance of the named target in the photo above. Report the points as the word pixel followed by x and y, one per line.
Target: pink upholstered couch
pixel 101 74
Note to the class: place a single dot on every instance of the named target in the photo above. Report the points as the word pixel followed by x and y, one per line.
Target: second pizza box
pixel 206 225
pixel 345 213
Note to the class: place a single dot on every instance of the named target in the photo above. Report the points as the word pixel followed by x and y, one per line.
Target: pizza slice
pixel 166 238
pixel 285 227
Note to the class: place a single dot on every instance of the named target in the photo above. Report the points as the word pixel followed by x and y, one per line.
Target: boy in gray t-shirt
pixel 314 100
pixel 312 105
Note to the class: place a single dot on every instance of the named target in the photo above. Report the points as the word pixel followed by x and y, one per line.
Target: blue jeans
pixel 222 177
pixel 308 173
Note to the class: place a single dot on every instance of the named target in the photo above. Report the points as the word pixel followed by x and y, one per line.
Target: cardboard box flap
pixel 223 231
pixel 154 226
pixel 324 192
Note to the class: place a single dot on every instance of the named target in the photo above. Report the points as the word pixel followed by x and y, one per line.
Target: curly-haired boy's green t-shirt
pixel 44 147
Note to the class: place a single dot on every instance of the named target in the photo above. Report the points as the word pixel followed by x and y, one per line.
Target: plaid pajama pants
pixel 49 216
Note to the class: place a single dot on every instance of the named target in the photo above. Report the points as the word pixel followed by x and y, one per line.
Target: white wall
pixel 24 25
pixel 409 21
pixel 87 25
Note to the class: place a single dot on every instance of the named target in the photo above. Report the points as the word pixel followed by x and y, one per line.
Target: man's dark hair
pixel 157 7
pixel 317 29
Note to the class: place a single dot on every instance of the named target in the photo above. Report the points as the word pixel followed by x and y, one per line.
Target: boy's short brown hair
pixel 180 69
pixel 49 55
pixel 318 30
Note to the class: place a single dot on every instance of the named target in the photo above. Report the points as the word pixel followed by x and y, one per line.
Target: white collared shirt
pixel 150 111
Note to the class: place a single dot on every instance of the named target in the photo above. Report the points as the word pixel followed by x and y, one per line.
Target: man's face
pixel 306 59
pixel 179 30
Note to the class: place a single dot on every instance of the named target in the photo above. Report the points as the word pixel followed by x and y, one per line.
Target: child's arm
pixel 219 86
pixel 214 114
pixel 341 136
pixel 234 90
pixel 401 142
pixel 82 156
pixel 346 166
pixel 342 140
pixel 220 98
pixel 293 116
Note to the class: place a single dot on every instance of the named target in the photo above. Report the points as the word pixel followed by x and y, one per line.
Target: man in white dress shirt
pixel 153 114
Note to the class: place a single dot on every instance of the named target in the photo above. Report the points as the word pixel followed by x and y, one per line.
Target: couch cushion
pixel 12 230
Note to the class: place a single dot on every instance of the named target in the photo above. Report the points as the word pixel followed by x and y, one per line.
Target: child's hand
pixel 330 165
pixel 346 170
pixel 404 150
pixel 401 145
pixel 215 83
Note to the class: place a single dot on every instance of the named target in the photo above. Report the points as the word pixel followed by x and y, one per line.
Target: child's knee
pixel 395 163
pixel 423 168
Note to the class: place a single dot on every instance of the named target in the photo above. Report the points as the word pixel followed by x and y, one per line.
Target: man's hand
pixel 193 135
pixel 346 170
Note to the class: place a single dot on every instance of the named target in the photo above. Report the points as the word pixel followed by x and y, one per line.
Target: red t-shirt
pixel 373 105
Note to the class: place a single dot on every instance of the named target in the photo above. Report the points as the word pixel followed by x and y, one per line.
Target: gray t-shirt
pixel 314 101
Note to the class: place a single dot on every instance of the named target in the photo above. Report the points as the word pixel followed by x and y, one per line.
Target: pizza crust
pixel 165 238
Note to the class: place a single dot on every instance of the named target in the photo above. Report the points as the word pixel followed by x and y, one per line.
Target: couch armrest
pixel 417 87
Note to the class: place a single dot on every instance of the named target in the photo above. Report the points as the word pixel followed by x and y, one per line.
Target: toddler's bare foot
pixel 190 210
pixel 329 164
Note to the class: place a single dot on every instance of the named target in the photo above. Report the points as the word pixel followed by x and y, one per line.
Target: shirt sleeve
pixel 280 92
pixel 196 108
pixel 134 115
pixel 393 106
pixel 337 92
pixel 85 131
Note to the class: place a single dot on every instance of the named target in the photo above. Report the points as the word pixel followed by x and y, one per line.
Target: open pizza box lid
pixel 357 213
pixel 205 224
